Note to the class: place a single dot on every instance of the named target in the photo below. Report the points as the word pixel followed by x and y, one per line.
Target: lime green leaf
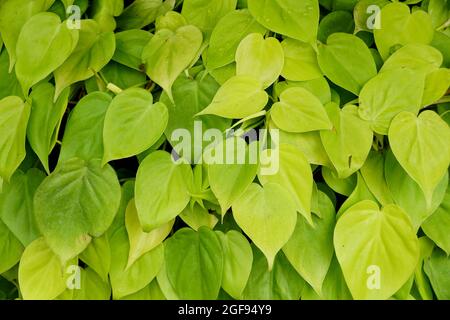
pixel 349 142
pixel 310 249
pixel 300 61
pixel 16 204
pixel 238 98
pixel 83 135
pixel 194 263
pixel 300 111
pixel 399 27
pixel 128 281
pixel 367 241
pixel 223 43
pixel 161 189
pixel 41 274
pixel 140 241
pixel 420 144
pixel 133 123
pixel 171 20
pixel 10 248
pixel 402 91
pixel 267 215
pixel 45 120
pixel 282 16
pixel 259 58
pixel 141 13
pixel 97 256
pixel 14 114
pixel 92 287
pixel 92 52
pixel 169 53
pixel 282 283
pixel 437 268
pixel 229 180
pixel 293 174
pixel 43 45
pixel 129 47
pixel 373 174
pixel 77 201
pixel 347 61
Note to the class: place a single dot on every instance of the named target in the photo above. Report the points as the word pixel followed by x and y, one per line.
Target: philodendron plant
pixel 224 149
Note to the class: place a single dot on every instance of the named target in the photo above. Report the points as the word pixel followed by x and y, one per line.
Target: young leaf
pixel 133 123
pixel 259 58
pixel 267 215
pixel 162 189
pixel 43 45
pixel 420 144
pixel 169 53
pixel 300 111
pixel 239 97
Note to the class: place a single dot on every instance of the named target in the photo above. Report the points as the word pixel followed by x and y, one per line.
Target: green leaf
pixel 400 27
pixel 10 248
pixel 133 123
pixel 129 47
pixel 349 142
pixel 14 114
pixel 150 292
pixel 403 90
pixel 92 287
pixel 97 256
pixel 367 241
pixel 437 225
pixel 310 249
pixel 259 58
pixel 77 201
pixel 281 283
pixel 83 135
pixel 140 241
pixel 191 96
pixel 12 20
pixel 16 204
pixel 282 16
pixel 238 98
pixel 194 263
pixel 162 189
pixel 374 177
pixel 171 20
pixel 45 120
pixel 143 12
pixel 267 215
pixel 43 45
pixel 206 13
pixel 197 217
pixel 238 258
pixel 347 61
pixel 293 174
pixel 128 281
pixel 92 52
pixel 342 186
pixel 300 111
pixel 229 179
pixel 334 22
pixel 9 86
pixel 300 61
pixel 41 274
pixel 223 43
pixel 169 53
pixel 436 85
pixel 420 144
pixel 407 193
pixel 437 268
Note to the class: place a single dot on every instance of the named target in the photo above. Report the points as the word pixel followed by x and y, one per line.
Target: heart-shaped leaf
pixel 268 216
pixel 77 201
pixel 367 241
pixel 133 123
pixel 420 144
